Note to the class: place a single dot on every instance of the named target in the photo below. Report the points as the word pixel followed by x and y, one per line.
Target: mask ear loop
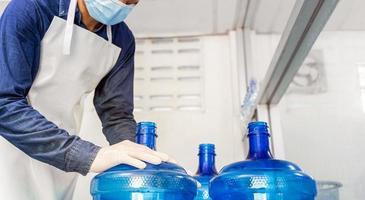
pixel 69 27
pixel 109 34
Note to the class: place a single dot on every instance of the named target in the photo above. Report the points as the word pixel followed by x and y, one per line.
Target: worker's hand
pixel 126 152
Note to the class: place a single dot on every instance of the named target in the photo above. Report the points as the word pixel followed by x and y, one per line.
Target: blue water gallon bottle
pixel 206 170
pixel 166 181
pixel 261 177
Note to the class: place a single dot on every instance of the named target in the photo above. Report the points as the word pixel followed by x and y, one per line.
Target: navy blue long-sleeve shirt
pixel 22 27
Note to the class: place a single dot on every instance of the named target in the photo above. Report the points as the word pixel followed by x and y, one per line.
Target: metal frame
pixel 306 22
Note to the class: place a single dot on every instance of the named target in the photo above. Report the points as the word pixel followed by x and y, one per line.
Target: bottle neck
pixel 259 141
pixel 207 161
pixel 259 147
pixel 147 140
pixel 146 134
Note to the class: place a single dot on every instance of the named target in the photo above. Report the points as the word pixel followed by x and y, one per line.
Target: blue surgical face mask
pixel 108 12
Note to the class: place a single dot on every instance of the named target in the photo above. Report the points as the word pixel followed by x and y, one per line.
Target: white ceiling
pixel 160 18
pixel 185 17
pixel 182 17
pixel 349 15
pixel 271 16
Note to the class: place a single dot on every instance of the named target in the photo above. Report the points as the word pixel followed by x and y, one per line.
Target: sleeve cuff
pixel 81 156
pixel 120 132
pixel 114 137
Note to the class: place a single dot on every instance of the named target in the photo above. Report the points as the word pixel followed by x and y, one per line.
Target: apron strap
pixel 109 33
pixel 69 27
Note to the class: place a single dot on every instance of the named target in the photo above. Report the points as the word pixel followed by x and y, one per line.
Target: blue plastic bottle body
pixel 141 196
pixel 261 177
pixel 203 191
pixel 149 184
pixel 206 170
pixel 166 181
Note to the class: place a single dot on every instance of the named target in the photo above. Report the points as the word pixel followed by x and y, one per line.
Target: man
pixel 52 54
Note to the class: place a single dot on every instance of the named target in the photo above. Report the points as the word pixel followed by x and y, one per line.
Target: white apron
pixel 68 71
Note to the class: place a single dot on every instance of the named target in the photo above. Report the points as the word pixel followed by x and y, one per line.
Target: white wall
pixel 180 132
pixel 261 49
pixel 324 133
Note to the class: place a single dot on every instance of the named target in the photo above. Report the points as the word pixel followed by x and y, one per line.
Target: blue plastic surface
pixel 206 170
pixel 261 177
pixel 146 134
pixel 166 181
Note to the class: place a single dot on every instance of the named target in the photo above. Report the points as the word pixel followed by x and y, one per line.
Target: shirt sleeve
pixel 113 98
pixel 20 123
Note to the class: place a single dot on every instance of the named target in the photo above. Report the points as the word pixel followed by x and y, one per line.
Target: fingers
pixel 137 147
pixel 132 152
pixel 164 157
pixel 133 162
pixel 146 157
